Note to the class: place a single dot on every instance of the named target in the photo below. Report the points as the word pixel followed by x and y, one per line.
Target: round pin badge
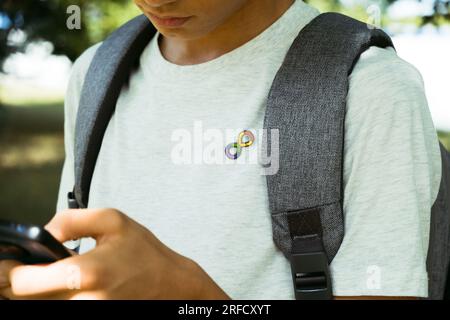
pixel 246 138
pixel 233 151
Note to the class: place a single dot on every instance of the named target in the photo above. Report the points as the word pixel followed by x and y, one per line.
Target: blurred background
pixel 37 50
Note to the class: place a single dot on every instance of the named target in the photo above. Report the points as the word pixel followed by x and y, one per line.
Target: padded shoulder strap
pixel 307 105
pixel 438 260
pixel 108 73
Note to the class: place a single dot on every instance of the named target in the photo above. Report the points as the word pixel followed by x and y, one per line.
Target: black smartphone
pixel 29 244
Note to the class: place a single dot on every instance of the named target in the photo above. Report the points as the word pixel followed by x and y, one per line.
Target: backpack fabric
pixel 439 248
pixel 306 105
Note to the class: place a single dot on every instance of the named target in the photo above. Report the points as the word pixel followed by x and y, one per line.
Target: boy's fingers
pixel 69 275
pixel 6 294
pixel 5 269
pixel 79 223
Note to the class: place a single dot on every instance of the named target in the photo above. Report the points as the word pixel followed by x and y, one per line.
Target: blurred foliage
pixel 359 10
pixel 440 13
pixel 31 20
pixel 445 139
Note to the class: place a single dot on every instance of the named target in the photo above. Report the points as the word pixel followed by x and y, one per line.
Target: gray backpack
pixel 306 195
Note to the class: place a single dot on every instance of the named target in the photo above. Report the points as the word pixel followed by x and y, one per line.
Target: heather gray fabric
pixel 307 105
pixel 103 84
pixel 309 111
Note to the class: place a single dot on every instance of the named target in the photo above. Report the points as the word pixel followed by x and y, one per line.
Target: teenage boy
pixel 165 230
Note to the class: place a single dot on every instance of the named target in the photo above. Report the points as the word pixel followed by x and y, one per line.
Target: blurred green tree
pixel 440 12
pixel 25 21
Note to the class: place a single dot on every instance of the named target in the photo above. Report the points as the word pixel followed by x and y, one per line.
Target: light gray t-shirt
pixel 217 213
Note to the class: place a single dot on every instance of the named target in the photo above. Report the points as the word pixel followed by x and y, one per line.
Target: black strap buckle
pixel 311 276
pixel 71 201
pixel 73 245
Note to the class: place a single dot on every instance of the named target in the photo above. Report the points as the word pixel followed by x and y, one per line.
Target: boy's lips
pixel 169 21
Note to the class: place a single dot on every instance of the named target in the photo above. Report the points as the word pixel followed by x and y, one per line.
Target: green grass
pixel 29 194
pixel 21 95
pixel 31 159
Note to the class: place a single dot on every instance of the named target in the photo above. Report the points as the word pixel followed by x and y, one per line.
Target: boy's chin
pixel 180 33
pixel 185 32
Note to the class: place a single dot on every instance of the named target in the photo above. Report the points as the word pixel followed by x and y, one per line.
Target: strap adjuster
pixel 72 201
pixel 73 245
pixel 311 276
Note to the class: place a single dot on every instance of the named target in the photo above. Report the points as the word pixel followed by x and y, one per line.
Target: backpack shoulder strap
pixel 107 74
pixel 438 260
pixel 306 107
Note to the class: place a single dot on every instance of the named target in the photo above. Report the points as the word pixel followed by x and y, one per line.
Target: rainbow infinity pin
pixel 234 150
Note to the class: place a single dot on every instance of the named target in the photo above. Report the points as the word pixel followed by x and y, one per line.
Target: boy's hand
pixel 129 262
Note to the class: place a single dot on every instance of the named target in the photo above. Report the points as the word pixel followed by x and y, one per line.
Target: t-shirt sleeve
pixel 71 101
pixel 392 172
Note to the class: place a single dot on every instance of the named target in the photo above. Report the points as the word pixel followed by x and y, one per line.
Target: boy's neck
pixel 251 20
